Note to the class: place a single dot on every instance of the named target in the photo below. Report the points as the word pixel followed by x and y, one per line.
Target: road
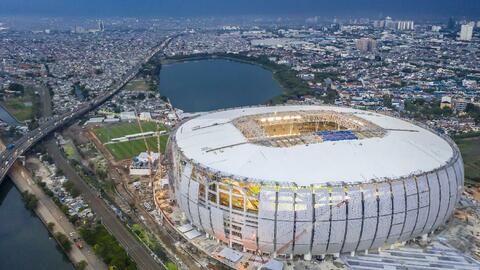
pixel 137 251
pixel 7 158
pixel 49 212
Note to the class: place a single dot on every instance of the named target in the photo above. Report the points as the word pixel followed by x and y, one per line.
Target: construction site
pixel 298 182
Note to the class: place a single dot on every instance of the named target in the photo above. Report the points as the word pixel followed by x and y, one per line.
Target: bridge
pixel 9 156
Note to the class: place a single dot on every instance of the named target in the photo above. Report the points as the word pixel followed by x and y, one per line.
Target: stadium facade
pixel 312 180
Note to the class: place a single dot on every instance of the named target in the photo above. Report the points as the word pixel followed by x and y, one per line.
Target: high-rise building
pixel 366 45
pixel 405 25
pixel 466 32
pixel 101 26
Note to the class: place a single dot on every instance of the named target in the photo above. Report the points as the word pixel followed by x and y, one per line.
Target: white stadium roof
pixel 397 154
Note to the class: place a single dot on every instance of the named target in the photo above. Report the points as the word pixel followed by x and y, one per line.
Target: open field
pixel 108 132
pixel 470 148
pixel 127 150
pixel 23 107
pixel 137 85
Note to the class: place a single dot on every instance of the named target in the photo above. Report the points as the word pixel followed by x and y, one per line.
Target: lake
pixel 210 84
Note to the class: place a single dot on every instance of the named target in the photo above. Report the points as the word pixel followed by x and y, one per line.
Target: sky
pixel 151 8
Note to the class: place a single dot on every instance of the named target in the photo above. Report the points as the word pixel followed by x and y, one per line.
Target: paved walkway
pixel 49 212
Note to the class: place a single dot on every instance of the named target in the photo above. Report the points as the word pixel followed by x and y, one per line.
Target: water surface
pixel 24 241
pixel 210 84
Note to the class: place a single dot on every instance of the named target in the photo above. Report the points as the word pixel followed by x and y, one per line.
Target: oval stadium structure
pixel 312 180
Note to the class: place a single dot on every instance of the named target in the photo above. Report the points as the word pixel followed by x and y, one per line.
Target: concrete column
pixel 336 255
pixel 307 256
pixel 366 251
pixel 352 253
pixel 275 254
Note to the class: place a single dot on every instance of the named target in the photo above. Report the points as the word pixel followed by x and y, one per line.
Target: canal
pixel 210 84
pixel 24 241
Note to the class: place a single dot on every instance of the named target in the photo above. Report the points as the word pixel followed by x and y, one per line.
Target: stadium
pixel 312 180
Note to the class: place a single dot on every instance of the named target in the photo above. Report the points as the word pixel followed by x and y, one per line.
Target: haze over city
pixel 208 134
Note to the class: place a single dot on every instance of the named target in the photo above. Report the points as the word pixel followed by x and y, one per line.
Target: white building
pixel 312 180
pixel 466 32
pixel 144 164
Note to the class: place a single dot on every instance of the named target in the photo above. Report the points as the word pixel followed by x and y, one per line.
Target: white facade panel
pixel 320 237
pixel 322 205
pixel 398 197
pixel 266 234
pixel 337 235
pixel 205 219
pixel 444 197
pixel 338 203
pixel 285 208
pixel 217 223
pixel 303 205
pixel 385 199
pixel 284 236
pixel 452 181
pixel 303 237
pixel 384 223
pixel 355 202
pixel 267 204
pixel 434 201
pixel 368 233
pixel 370 201
pixel 249 236
pixel 353 234
pixel 423 191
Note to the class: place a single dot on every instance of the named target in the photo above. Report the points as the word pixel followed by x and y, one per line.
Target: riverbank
pixel 49 213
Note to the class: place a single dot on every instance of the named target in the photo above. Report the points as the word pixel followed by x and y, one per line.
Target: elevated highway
pixel 136 250
pixel 9 156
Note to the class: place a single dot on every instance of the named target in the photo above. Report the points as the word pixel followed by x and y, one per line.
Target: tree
pixel 81 265
pixel 30 200
pixel 50 226
pixel 63 241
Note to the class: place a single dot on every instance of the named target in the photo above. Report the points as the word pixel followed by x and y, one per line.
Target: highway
pixel 8 157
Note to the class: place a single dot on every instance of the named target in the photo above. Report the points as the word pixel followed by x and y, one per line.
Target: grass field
pixel 24 107
pixel 127 150
pixel 108 132
pixel 470 148
pixel 136 85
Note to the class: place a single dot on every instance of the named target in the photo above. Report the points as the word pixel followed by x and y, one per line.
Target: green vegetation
pixel 81 265
pixel 129 149
pixel 145 237
pixel 137 85
pixel 70 188
pixel 30 200
pixel 70 150
pixel 23 107
pixel 107 247
pixel 421 109
pixel 153 245
pixel 63 241
pixel 108 132
pixel 470 149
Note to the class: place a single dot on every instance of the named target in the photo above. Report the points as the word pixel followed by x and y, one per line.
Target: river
pixel 24 241
pixel 204 85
